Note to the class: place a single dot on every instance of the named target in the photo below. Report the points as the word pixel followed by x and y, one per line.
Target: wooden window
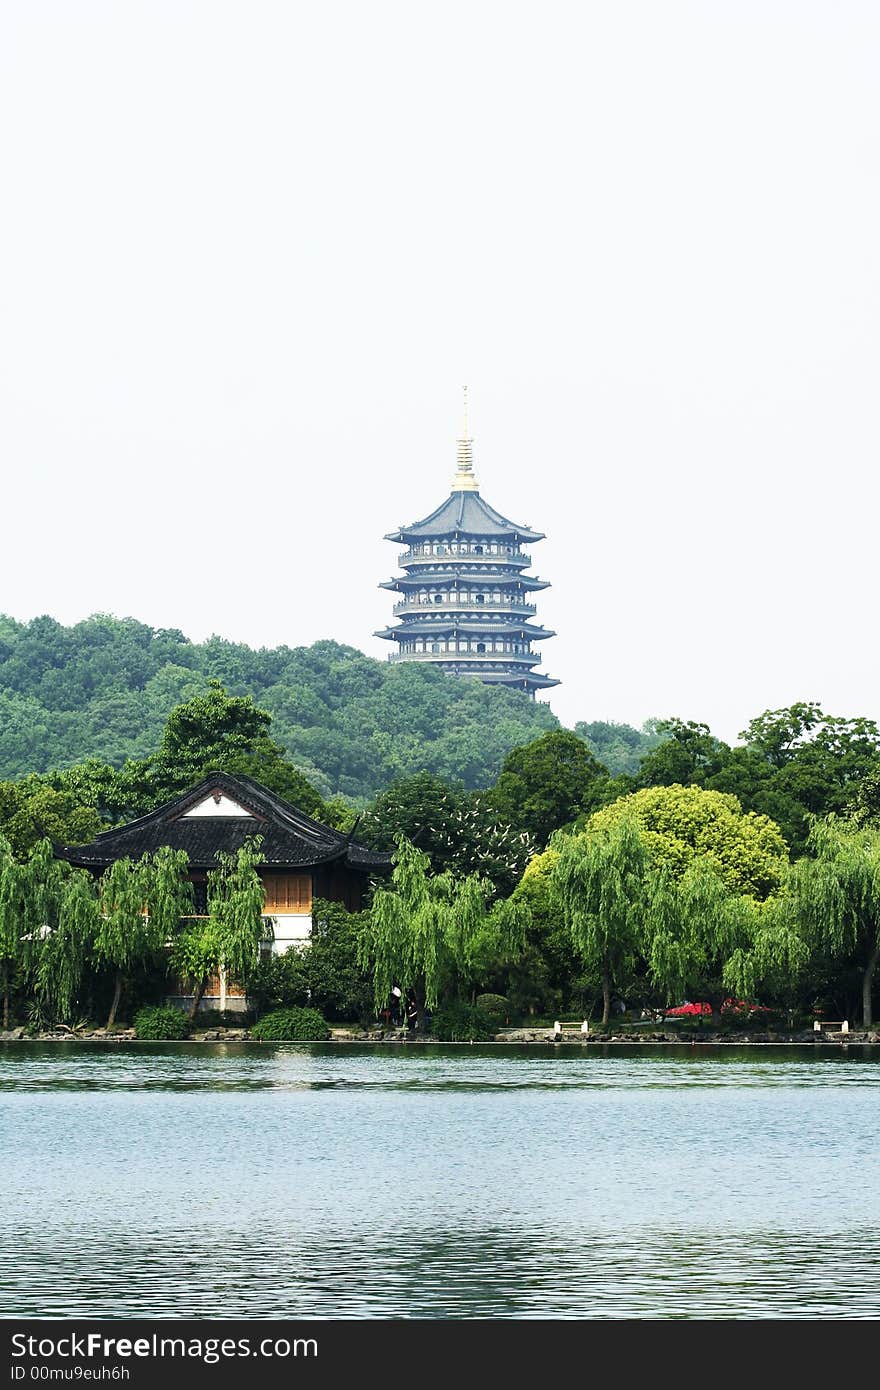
pixel 287 893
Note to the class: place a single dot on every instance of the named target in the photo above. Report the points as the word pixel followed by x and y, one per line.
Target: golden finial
pixel 464 480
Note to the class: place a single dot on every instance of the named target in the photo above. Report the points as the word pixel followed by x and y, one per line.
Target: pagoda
pixel 464 595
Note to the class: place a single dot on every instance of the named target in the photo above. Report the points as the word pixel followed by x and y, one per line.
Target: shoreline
pixel 126 1037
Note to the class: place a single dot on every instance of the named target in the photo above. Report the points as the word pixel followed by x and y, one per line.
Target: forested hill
pixel 104 688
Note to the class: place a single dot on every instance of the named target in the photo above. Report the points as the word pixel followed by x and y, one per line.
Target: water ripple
pixel 232 1066
pixel 540 1272
pixel 314 1181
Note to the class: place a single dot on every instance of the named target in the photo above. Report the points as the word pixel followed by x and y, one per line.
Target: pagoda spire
pixel 464 480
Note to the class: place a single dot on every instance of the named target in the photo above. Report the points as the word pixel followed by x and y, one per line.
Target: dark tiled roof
pixel 465 512
pixel 488 578
pixel 450 623
pixel 290 838
pixel 528 681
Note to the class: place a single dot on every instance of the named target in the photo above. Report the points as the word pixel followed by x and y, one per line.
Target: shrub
pixel 279 982
pixel 460 1022
pixel 158 1023
pixel 291 1025
pixel 495 1006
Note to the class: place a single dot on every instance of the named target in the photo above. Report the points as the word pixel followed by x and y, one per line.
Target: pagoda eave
pixel 427 579
pixel 450 626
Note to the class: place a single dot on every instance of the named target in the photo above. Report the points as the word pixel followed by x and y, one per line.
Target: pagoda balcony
pixel 469 658
pixel 454 605
pixel 421 556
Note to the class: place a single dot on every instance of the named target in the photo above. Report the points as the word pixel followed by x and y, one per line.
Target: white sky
pixel 251 250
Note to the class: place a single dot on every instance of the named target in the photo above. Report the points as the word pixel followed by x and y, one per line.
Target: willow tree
pixel 599 881
pixel 235 927
pixel 141 903
pixel 774 958
pixel 12 891
pixel 432 936
pixel 195 957
pixel 694 925
pixel 29 895
pixel 66 951
pixel 837 893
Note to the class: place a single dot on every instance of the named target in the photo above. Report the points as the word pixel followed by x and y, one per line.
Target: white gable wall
pixel 217 804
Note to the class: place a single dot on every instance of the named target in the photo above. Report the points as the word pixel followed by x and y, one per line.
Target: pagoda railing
pixel 452 605
pixel 457 658
pixel 445 557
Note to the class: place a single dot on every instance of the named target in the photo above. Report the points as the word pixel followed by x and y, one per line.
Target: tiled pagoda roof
pixel 449 622
pixel 468 514
pixel 291 840
pixel 489 578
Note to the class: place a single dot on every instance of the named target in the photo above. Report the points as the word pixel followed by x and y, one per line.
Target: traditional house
pixel 301 859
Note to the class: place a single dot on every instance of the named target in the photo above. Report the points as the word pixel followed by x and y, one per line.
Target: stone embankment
pixel 574 1035
pixel 541 1036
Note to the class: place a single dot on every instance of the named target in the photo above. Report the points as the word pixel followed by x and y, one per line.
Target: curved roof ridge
pixel 289 837
pixel 469 512
pixel 306 825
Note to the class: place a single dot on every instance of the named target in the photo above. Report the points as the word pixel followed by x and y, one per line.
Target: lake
pixel 363 1181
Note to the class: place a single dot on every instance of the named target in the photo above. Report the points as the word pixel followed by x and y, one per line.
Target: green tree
pixel 547 976
pixel 30 811
pixel 235 910
pixel 219 732
pixel 278 982
pixel 141 905
pixel 682 824
pixel 460 831
pixel 863 807
pixel 195 957
pixel 619 747
pixel 693 926
pixel 12 949
pixel 434 936
pixel 338 984
pixel 228 940
pixel 818 761
pixel 776 957
pixel 548 783
pixel 67 949
pixel 424 808
pixel 688 756
pixel 28 900
pixel 94 785
pixel 599 879
pixel 837 893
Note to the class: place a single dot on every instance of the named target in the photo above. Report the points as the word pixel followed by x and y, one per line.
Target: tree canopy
pixel 600 881
pixel 461 831
pixel 837 893
pixel 683 824
pixel 103 690
pixel 795 763
pixel 548 783
pixel 429 935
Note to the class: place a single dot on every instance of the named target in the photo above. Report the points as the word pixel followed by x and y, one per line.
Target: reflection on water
pixel 309 1181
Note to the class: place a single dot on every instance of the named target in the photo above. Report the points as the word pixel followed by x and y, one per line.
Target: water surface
pixel 357 1181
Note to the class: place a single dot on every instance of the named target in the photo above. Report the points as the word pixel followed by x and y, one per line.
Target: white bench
pixel 819 1024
